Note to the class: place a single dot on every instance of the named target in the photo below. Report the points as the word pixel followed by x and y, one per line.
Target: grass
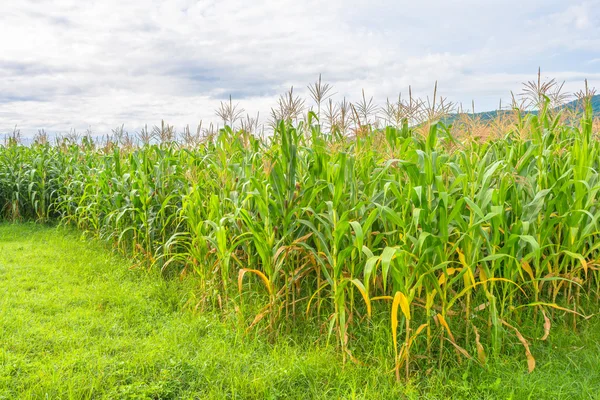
pixel 76 322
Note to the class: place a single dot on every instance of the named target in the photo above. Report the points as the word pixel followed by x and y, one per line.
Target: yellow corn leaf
pixel 303 238
pixel 420 329
pixel 460 350
pixel 404 305
pixel 395 305
pixel 579 257
pixel 530 359
pixel 256 272
pixel 256 320
pixel 480 351
pixel 445 325
pixel 468 277
pixel 401 301
pixel 482 275
pixel 554 305
pixel 525 265
pixel 430 298
pixel 547 326
pixel 442 279
pixel 382 298
pixel 278 252
pixel 462 259
pixel 405 349
pixel 449 272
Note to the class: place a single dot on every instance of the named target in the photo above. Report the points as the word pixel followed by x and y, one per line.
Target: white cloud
pixel 70 64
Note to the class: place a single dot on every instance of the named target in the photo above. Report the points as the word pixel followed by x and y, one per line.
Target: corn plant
pixel 449 240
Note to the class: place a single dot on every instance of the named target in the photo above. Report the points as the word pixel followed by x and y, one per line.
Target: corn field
pixel 448 241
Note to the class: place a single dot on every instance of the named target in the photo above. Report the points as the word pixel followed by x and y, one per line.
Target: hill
pixel 490 115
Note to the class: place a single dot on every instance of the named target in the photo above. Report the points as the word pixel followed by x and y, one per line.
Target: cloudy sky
pixel 98 64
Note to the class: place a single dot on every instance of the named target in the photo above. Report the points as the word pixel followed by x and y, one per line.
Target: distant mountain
pixel 490 115
pixel 595 104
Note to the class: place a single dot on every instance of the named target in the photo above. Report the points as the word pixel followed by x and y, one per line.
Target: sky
pixel 76 65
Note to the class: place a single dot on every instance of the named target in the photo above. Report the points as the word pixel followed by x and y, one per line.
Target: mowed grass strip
pixel 76 322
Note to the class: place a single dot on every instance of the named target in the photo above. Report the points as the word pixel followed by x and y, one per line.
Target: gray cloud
pixel 70 64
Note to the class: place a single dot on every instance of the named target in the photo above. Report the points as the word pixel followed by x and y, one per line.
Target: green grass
pixel 76 322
